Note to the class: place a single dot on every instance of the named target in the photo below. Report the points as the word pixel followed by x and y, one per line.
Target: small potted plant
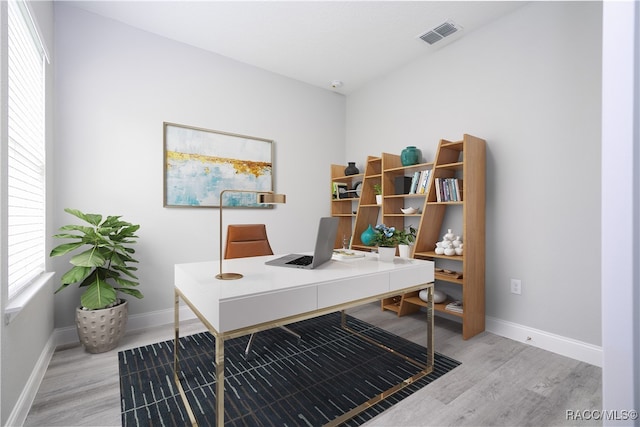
pixel 377 188
pixel 101 266
pixel 386 238
pixel 406 237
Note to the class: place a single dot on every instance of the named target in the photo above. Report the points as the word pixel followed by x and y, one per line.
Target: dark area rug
pixel 286 383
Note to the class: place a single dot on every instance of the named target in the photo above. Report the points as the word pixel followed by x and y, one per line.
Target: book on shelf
pixel 458 185
pixel 414 182
pixel 448 189
pixel 455 306
pixel 339 190
pixel 422 178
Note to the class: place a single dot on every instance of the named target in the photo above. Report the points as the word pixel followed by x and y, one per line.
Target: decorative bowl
pixel 438 296
pixel 409 210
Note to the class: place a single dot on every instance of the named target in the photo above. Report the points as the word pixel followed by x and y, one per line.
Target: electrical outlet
pixel 516 286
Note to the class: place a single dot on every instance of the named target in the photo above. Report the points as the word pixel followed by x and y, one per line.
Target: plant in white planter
pixel 406 237
pixel 377 189
pixel 101 265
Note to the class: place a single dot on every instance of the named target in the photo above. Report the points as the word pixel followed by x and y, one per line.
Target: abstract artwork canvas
pixel 201 163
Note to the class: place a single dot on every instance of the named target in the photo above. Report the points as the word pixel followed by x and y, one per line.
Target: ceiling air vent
pixel 441 31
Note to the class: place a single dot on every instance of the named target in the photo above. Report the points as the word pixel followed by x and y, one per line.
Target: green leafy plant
pixel 377 188
pixel 407 235
pixel 385 236
pixel 103 267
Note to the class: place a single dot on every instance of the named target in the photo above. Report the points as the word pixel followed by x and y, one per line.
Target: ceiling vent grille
pixel 440 32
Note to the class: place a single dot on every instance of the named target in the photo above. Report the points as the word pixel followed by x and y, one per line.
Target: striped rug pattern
pixel 285 383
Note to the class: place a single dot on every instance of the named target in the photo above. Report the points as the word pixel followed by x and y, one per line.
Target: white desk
pixel 269 296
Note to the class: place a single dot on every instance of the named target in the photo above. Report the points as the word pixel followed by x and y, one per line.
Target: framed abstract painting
pixel 200 163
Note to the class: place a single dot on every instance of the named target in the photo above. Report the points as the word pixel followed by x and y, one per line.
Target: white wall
pixel 529 84
pixel 116 85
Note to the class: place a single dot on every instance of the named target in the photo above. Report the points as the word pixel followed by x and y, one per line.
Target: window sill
pixel 20 301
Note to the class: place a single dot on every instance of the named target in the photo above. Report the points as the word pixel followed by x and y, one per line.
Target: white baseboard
pixel 18 415
pixel 558 344
pixel 68 335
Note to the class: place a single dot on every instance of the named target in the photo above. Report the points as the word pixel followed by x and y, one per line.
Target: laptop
pixel 327 231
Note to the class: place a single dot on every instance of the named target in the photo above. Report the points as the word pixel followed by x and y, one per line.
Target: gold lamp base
pixel 229 276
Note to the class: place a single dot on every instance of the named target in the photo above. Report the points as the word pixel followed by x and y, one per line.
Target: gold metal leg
pixel 219 380
pixel 176 358
pixel 176 327
pixel 430 340
pixel 426 369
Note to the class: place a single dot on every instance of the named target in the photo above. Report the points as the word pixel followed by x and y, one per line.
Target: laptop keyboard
pixel 303 260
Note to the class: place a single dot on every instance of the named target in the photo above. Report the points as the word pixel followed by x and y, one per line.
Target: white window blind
pixel 26 149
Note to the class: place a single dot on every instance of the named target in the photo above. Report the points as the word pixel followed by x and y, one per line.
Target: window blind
pixel 26 149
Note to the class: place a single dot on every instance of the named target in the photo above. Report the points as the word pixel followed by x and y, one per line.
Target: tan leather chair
pixel 247 240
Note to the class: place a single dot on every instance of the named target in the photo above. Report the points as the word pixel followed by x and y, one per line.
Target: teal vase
pixel 367 236
pixel 410 156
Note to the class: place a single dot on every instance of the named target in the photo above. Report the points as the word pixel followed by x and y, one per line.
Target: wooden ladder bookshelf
pixel 464 160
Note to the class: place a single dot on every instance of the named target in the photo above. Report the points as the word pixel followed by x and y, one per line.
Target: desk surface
pixel 267 293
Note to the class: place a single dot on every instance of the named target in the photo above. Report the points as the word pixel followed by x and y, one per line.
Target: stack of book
pixel 448 190
pixel 347 254
pixel 455 306
pixel 419 182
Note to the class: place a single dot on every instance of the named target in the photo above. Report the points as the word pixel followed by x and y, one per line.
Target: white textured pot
pixel 404 251
pixel 386 254
pixel 101 330
pixel 378 199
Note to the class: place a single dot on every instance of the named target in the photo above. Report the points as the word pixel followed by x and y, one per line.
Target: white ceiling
pixel 316 42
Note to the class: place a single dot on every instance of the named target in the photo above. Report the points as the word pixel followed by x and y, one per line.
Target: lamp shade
pixel 271 198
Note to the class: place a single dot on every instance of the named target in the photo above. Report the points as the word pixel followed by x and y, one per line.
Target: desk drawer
pixel 417 276
pixel 249 311
pixel 347 290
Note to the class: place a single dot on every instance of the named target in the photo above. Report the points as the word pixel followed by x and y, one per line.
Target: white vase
pixel 386 254
pixel 378 199
pixel 404 251
pixel 449 236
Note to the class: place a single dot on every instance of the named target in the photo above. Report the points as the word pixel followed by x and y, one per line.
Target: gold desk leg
pixel 176 327
pixel 176 358
pixel 219 380
pixel 430 340
pixel 426 369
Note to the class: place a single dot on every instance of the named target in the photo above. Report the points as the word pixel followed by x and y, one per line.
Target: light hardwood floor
pixel 500 382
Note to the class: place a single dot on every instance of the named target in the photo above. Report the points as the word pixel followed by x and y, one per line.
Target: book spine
pixel 414 182
pixel 447 192
pixel 425 181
